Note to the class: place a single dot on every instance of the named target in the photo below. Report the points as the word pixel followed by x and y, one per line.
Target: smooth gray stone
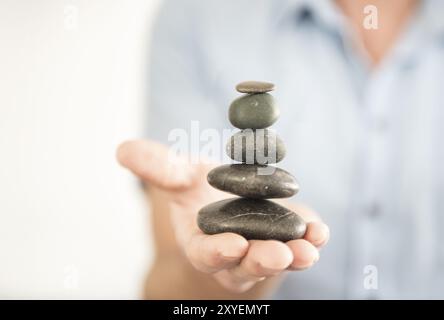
pixel 252 219
pixel 254 111
pixel 261 146
pixel 254 87
pixel 246 181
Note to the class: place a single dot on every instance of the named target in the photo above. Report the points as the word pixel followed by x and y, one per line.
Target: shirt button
pixel 374 210
pixel 380 125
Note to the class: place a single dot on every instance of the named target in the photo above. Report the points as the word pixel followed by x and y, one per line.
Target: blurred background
pixel 73 79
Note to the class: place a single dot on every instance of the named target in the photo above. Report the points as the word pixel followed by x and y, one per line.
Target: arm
pixel 190 264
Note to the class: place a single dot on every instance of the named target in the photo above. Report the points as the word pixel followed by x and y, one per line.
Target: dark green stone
pixel 254 111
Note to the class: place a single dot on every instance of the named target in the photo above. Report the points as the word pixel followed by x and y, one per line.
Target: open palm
pixel 236 263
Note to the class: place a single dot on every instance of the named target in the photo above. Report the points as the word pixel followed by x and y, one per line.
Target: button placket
pixel 377 153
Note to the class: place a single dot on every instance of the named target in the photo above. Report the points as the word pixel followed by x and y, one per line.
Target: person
pixel 358 86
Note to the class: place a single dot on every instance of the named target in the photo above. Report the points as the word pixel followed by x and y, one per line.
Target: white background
pixel 73 79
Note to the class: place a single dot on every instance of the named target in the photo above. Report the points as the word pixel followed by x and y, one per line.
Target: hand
pixel 237 264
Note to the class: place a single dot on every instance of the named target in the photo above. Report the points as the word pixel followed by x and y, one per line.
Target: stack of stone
pixel 254 180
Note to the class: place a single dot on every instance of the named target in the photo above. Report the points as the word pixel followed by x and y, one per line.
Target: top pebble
pixel 254 87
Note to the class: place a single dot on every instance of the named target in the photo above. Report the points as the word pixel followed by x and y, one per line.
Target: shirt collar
pixel 323 12
pixel 326 13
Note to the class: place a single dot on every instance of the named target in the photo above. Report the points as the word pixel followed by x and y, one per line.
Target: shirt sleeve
pixel 180 89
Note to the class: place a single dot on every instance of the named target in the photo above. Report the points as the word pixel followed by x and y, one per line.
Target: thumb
pixel 153 163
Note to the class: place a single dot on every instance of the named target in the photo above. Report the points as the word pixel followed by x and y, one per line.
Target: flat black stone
pixel 252 219
pixel 255 87
pixel 246 180
pixel 254 111
pixel 260 146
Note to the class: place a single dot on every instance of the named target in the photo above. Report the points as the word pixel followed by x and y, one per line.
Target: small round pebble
pixel 255 87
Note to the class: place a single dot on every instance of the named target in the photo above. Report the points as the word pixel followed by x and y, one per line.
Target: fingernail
pixel 320 241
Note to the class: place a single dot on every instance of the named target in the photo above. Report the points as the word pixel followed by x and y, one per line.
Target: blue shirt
pixel 366 145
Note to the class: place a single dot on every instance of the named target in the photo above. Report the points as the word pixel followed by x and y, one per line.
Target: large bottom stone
pixel 251 218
